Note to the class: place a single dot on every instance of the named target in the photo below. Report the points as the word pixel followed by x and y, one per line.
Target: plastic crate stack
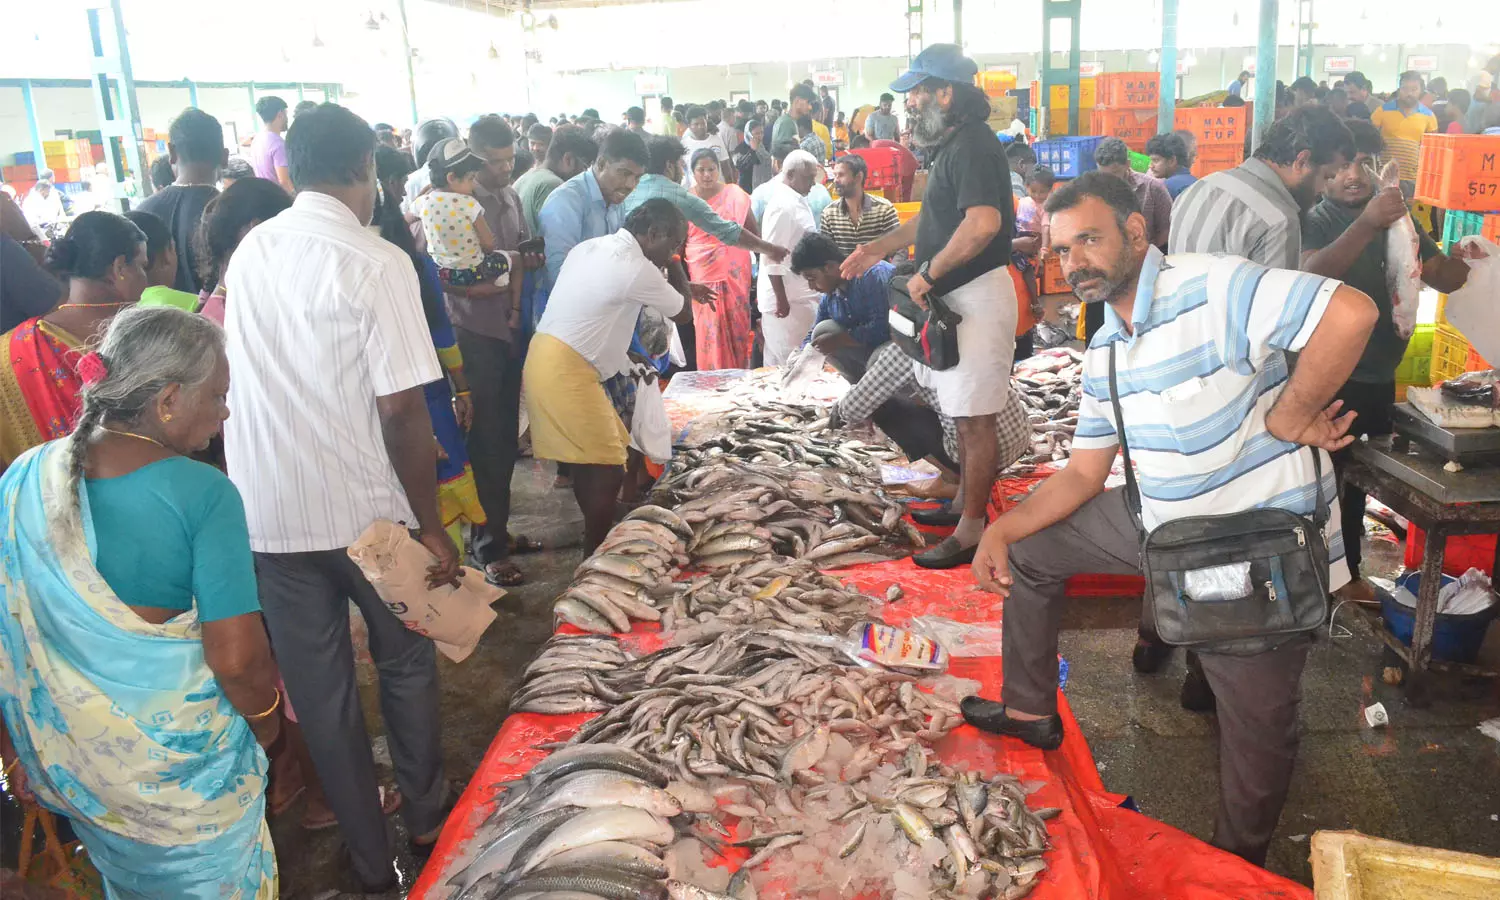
pixel 67 159
pixel 1060 99
pixel 19 172
pixel 1127 107
pixel 1459 173
pixel 1221 132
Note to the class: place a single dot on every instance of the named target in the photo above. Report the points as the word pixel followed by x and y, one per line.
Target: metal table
pixel 1443 504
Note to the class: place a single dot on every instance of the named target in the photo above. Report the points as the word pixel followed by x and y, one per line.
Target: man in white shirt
pixel 697 137
pixel 329 348
pixel 43 204
pixel 580 387
pixel 787 304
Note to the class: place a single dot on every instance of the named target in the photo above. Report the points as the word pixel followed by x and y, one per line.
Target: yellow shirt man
pixel 1403 132
pixel 821 131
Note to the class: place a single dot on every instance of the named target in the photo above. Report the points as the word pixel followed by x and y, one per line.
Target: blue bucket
pixel 1454 638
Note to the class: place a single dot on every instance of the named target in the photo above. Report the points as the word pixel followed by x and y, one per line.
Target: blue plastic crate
pixel 1067 157
pixel 25 158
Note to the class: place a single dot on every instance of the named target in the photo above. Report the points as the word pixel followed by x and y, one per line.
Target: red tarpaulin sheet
pixel 1101 850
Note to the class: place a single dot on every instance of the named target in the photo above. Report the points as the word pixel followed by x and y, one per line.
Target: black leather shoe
pixel 946 555
pixel 1150 656
pixel 942 517
pixel 1197 696
pixel 987 715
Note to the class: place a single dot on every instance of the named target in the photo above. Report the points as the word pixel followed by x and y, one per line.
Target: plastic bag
pixel 897 648
pixel 1228 582
pixel 1468 594
pixel 1473 309
pixel 961 638
pixel 802 371
pixel 650 429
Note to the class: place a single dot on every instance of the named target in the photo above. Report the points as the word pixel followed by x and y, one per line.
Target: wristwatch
pixel 925 271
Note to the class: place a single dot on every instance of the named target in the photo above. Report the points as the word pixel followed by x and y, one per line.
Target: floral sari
pixel 723 333
pixel 39 386
pixel 119 723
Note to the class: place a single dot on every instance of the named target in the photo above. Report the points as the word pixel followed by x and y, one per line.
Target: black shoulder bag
pixel 929 336
pixel 1238 583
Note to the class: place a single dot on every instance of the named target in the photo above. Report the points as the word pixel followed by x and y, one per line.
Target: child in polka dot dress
pixel 458 237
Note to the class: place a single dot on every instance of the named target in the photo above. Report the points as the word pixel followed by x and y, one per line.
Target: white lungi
pixel 980 384
pixel 782 336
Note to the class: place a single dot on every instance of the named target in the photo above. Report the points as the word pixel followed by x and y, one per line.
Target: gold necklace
pixel 92 305
pixel 134 435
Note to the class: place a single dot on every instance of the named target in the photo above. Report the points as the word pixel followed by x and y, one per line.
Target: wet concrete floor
pixel 1431 778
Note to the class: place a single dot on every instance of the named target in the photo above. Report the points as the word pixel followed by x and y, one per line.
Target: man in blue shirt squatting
pixel 1216 424
pixel 850 325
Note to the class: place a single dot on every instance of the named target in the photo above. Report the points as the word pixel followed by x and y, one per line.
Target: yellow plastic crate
pixel 1450 353
pixel 1347 865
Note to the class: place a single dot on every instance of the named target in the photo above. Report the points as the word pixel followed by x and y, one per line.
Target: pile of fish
pixel 585 822
pixel 1050 384
pixel 775 592
pixel 783 731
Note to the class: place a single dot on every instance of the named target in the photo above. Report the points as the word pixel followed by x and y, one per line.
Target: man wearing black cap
pixel 963 246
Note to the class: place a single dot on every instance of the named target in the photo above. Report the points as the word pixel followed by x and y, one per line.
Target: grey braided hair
pixel 145 349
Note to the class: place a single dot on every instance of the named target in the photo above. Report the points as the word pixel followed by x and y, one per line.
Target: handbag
pixel 1236 583
pixel 929 336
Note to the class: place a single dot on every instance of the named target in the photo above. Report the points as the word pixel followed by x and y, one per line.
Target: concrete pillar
pixel 1265 72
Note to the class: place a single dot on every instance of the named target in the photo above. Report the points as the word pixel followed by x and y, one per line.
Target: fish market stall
pixel 728 709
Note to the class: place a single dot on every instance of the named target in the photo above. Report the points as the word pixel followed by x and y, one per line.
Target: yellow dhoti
pixel 572 420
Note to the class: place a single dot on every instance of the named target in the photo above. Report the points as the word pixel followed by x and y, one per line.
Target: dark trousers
pixel 304 598
pixel 1372 401
pixel 493 369
pixel 1257 695
pixel 915 428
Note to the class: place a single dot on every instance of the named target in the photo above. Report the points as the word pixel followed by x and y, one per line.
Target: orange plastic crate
pixel 1459 171
pixel 1491 230
pixel 1217 159
pixel 1133 126
pixel 1128 90
pixel 1475 362
pixel 1214 126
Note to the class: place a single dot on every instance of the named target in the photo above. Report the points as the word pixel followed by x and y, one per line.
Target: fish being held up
pixel 1403 261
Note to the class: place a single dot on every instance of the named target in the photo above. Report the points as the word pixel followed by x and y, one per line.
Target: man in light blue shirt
pixel 587 206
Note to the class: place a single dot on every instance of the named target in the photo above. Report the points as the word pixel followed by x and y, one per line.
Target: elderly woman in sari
pixel 103 257
pixel 136 683
pixel 723 333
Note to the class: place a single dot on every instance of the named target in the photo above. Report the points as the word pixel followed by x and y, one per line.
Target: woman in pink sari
pixel 724 336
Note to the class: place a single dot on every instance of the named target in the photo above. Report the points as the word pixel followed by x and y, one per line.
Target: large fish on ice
pixel 1403 262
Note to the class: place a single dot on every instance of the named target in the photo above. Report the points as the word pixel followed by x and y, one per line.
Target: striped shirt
pixel 326 317
pixel 1205 363
pixel 1245 211
pixel 1402 132
pixel 877 217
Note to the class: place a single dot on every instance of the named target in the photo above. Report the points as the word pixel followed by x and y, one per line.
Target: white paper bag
pixel 454 618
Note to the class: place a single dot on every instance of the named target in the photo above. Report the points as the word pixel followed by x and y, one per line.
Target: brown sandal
pixel 503 574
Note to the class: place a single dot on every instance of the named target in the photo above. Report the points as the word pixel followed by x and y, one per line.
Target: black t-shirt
pixel 969 169
pixel 1322 226
pixel 181 207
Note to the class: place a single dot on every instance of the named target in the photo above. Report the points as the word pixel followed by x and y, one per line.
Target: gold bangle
pixel 462 393
pixel 275 704
pixel 12 767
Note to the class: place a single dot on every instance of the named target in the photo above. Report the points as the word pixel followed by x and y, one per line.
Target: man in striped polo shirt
pixel 1254 210
pixel 1216 425
pixel 856 217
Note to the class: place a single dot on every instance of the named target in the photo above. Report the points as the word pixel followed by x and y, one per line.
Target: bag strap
pixel 1132 490
pixel 1321 511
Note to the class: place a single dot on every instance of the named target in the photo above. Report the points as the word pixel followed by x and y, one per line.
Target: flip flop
pixel 390 801
pixel 274 810
pixel 522 544
pixel 503 574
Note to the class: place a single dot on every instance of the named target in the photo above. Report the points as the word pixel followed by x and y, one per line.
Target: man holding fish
pixel 1353 235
